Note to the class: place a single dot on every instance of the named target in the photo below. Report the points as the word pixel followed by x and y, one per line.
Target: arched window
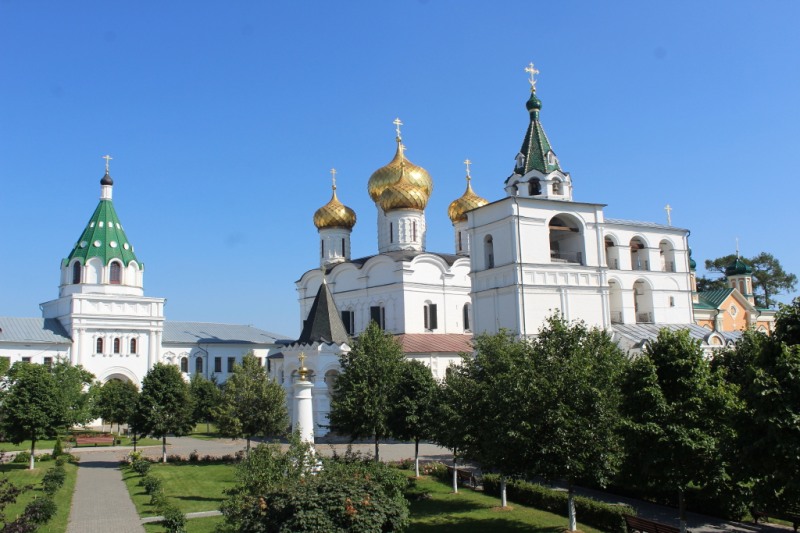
pixel 76 272
pixel 342 245
pixel 566 240
pixel 488 251
pixel 414 231
pixel 460 247
pixel 133 346
pixel 557 187
pixel 99 345
pixel 534 187
pixel 431 317
pixel 116 345
pixel 466 318
pixel 639 259
pixel 185 364
pixel 116 273
pixel 198 365
pixel 322 248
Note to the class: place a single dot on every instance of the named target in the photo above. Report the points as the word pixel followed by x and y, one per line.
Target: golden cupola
pixel 419 181
pixel 403 194
pixel 334 214
pixel 467 202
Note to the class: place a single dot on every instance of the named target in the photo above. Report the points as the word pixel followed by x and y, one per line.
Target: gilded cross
pixel 333 177
pixel 668 209
pixel 302 358
pixel 530 69
pixel 397 123
pixel 468 163
pixel 107 158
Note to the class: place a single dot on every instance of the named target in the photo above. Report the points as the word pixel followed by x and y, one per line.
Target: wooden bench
pixel 464 477
pixel 792 516
pixel 94 439
pixel 640 525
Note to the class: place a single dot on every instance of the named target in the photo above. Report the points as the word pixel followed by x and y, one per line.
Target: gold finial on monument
pixel 302 371
pixel 530 69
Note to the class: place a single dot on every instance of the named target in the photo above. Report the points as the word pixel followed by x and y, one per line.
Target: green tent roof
pixel 536 145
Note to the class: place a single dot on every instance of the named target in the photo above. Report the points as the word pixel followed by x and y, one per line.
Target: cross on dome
pixel 530 69
pixel 333 178
pixel 668 209
pixel 467 162
pixel 107 158
pixel 397 123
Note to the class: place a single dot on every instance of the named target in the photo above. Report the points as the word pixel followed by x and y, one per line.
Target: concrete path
pixel 101 502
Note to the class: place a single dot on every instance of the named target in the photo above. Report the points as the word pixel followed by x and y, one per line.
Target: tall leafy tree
pixel 364 391
pixel 769 277
pixel 206 396
pixel 414 405
pixel 116 402
pixel 30 407
pixel 164 406
pixel 252 404
pixel 676 410
pixel 76 393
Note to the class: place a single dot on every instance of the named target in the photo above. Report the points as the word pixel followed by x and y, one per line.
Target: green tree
pixel 677 417
pixel 363 392
pixel 769 277
pixel 451 425
pixel 76 393
pixel 252 404
pixel 30 405
pixel 414 404
pixel 116 402
pixel 164 406
pixel 206 397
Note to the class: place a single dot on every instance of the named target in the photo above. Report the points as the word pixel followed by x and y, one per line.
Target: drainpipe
pixel 519 264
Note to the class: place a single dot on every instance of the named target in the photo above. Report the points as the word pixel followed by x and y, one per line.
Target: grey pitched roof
pixel 213 333
pixel 324 323
pixel 638 333
pixel 654 225
pixel 33 330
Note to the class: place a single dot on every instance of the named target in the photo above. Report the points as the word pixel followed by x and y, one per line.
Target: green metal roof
pixel 738 268
pixel 536 145
pixel 714 298
pixel 103 238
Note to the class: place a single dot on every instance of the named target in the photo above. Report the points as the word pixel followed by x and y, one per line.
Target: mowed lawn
pixel 20 475
pixel 48 444
pixel 199 487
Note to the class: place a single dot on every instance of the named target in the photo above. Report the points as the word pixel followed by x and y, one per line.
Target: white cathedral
pixel 516 260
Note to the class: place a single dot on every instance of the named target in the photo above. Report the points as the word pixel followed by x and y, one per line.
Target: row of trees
pixel 570 406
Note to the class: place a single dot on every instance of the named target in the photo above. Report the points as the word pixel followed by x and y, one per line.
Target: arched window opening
pixel 185 365
pixel 115 276
pixel 467 325
pixel 198 365
pixel 612 254
pixel 534 187
pixel 643 302
pixel 557 188
pixel 488 251
pixel 330 380
pixel 414 231
pixel 667 257
pixel 431 317
pixel 99 345
pixel 343 246
pixel 377 313
pixel 460 246
pixel 116 344
pixel 615 302
pixel 566 241
pixel 639 255
pixel 76 272
pixel 349 321
pixel 133 346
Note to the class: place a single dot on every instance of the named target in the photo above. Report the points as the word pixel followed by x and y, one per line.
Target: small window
pixel 48 361
pixel 342 246
pixel 414 231
pixel 76 272
pixel 26 359
pixel 672 301
pixel 488 248
pixel 99 345
pixel 185 365
pixel 116 273
pixel 133 346
pixel 348 319
pixel 431 317
pixel 322 249
pixel 116 345
pixel 460 247
pixel 391 232
pixel 198 365
pixel 466 318
pixel 377 314
pixel 218 364
pixel 534 187
pixel 231 362
pixel 557 187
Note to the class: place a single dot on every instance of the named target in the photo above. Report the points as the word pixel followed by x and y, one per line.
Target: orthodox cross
pixel 302 358
pixel 397 123
pixel 530 69
pixel 107 158
pixel 468 163
pixel 737 247
pixel 668 209
pixel 333 177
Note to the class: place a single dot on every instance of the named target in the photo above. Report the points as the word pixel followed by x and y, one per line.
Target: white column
pixel 303 415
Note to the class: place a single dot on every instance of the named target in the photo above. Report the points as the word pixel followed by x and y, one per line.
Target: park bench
pixel 640 525
pixel 464 477
pixel 792 516
pixel 93 439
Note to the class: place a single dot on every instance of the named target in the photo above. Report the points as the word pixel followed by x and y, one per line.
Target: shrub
pixel 194 457
pixel 40 510
pixel 175 458
pixel 43 458
pixel 22 457
pixel 174 520
pixel 604 516
pixel 53 479
pixel 62 459
pixel 151 484
pixel 58 450
pixel 141 466
pixel 134 456
pixel 158 499
pixel 436 470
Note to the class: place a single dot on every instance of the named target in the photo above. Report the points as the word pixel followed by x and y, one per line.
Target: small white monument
pixel 303 408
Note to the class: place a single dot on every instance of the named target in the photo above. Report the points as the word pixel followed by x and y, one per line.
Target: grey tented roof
pixel 33 330
pixel 638 333
pixel 213 333
pixel 324 323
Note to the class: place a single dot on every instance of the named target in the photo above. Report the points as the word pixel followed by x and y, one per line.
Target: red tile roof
pixel 435 342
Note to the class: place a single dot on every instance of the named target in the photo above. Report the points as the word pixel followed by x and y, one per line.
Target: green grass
pixel 191 487
pixel 205 432
pixel 196 525
pixel 48 444
pixel 20 475
pixel 474 512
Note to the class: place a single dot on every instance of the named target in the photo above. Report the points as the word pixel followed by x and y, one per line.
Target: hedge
pixel 605 516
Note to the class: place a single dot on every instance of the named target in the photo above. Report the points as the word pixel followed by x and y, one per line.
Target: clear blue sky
pixel 223 119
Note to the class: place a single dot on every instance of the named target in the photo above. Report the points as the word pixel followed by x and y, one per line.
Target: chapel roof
pixel 324 323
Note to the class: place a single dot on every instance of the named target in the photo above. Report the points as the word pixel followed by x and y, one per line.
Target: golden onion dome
pixel 468 201
pixel 403 194
pixel 387 175
pixel 334 214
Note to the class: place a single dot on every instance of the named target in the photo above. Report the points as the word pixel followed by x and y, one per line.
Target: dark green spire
pixel 536 146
